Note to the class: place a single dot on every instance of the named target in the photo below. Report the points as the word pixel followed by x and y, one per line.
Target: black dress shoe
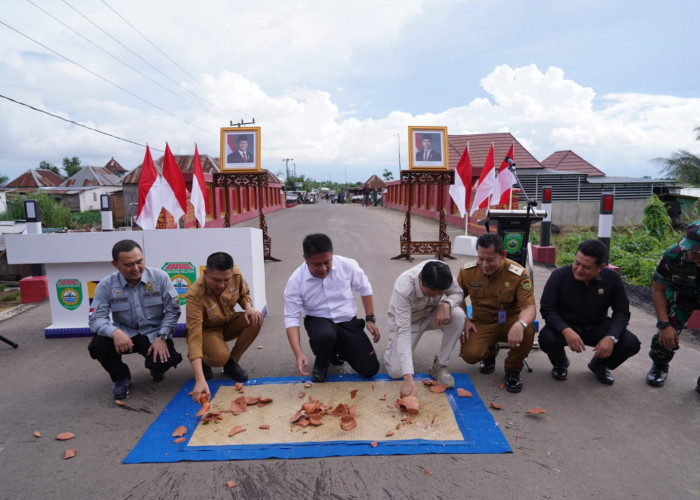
pixel 319 374
pixel 208 372
pixel 560 369
pixel 513 381
pixel 157 376
pixel 234 370
pixel 601 372
pixel 336 361
pixel 657 375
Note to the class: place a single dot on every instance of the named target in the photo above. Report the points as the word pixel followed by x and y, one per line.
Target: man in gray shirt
pixel 144 307
pixel 425 297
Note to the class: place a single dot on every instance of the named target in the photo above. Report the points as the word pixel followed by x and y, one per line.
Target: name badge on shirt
pixel 502 317
pixel 151 294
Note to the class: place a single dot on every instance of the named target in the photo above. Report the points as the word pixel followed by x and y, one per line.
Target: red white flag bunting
pixel 149 194
pixel 198 195
pixel 487 182
pixel 173 191
pixel 504 181
pixel 461 190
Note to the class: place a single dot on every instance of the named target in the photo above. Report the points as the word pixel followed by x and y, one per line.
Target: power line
pixel 76 123
pixel 195 79
pixel 112 55
pixel 105 79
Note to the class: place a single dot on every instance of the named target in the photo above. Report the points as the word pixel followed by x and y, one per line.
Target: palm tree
pixel 683 165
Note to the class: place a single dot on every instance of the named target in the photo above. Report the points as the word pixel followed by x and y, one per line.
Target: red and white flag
pixel 461 190
pixel 173 191
pixel 198 195
pixel 487 183
pixel 504 181
pixel 149 194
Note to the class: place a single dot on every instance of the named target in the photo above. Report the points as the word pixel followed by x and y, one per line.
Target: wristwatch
pixel 370 317
pixel 614 339
pixel 662 324
pixel 523 323
pixel 163 336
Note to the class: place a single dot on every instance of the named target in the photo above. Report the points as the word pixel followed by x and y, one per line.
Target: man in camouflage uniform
pixel 503 310
pixel 676 294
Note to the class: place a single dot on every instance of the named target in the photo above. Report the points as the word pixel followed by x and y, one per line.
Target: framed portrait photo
pixel 428 148
pixel 240 149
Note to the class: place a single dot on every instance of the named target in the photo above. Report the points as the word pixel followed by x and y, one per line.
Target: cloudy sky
pixel 335 84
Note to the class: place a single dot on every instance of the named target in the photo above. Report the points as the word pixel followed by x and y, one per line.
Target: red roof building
pixel 36 178
pixel 568 161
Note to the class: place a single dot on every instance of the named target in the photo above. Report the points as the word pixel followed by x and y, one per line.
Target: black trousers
pixel 553 343
pixel 347 339
pixel 102 349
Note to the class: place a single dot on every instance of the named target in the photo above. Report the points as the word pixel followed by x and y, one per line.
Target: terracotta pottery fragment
pixel 536 411
pixel 230 484
pixel 303 422
pixel 120 402
pixel 434 417
pixel 264 427
pixel 353 393
pixel 429 382
pixel 495 406
pixel 203 398
pixel 69 454
pixel 302 394
pixel 179 432
pixel 426 472
pixel 264 401
pixel 250 401
pixel 237 429
pixel 389 434
pixel 309 407
pixel 65 436
pixel 352 410
pixel 348 423
pixel 501 385
pixel 373 386
pixel 374 444
pixel 340 411
pixel 316 419
pixel 308 384
pixel 463 393
pixel 37 434
pixel 409 404
pixel 238 408
pixel 260 347
pixel 297 416
pixel 180 440
pixel 383 398
pixel 438 388
pixel 239 386
pixel 202 410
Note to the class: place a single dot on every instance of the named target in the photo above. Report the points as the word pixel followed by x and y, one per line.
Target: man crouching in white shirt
pixel 425 297
pixel 323 288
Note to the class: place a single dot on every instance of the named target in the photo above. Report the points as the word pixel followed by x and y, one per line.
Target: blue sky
pixel 332 83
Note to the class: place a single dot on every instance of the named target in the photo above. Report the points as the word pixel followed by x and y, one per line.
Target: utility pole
pixel 241 123
pixel 286 162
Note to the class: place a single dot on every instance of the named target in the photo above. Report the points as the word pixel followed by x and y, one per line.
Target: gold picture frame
pixel 428 148
pixel 240 150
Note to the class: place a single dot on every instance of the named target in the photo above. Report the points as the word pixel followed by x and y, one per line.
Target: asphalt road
pixel 622 441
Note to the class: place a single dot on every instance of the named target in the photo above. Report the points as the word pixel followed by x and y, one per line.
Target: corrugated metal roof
pixel 13 227
pixel 114 167
pixel 479 145
pixel 184 162
pixel 36 177
pixel 570 162
pixel 92 176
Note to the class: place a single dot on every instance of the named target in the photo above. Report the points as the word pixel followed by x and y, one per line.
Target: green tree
pixel 45 165
pixel 53 213
pixel 683 165
pixel 71 166
pixel 388 175
pixel 3 179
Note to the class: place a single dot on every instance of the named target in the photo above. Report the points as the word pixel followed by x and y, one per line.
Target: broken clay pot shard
pixel 69 454
pixel 236 430
pixel 179 440
pixel 536 411
pixel 408 404
pixel 348 423
pixel 65 436
pixel 438 388
pixel 180 431
pixel 463 393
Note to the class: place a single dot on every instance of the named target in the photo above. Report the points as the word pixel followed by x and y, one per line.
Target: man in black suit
pixel 428 154
pixel 241 155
